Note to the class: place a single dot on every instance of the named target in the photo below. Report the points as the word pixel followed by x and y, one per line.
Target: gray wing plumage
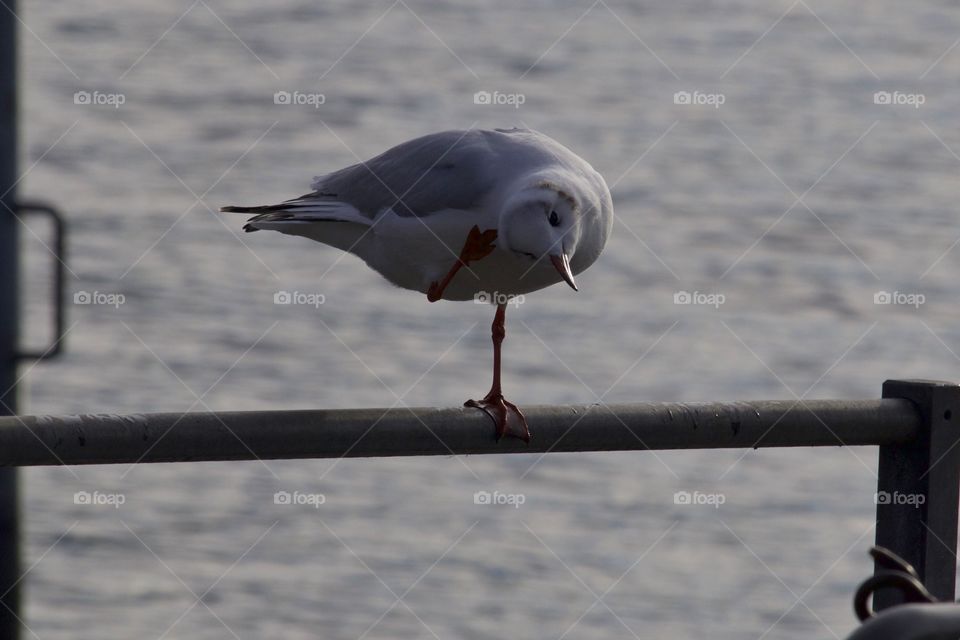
pixel 446 170
pixel 450 170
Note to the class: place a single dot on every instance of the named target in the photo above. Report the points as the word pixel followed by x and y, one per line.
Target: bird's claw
pixel 434 291
pixel 507 418
pixel 479 244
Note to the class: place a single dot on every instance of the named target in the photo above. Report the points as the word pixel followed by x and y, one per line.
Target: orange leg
pixel 478 245
pixel 505 415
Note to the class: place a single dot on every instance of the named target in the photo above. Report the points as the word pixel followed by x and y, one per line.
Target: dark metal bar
pixel 59 251
pixel 174 437
pixel 918 489
pixel 9 316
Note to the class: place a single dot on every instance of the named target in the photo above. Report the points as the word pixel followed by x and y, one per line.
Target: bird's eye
pixel 554 218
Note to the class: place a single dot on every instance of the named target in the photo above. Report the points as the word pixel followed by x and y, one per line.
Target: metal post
pixel 919 487
pixel 9 318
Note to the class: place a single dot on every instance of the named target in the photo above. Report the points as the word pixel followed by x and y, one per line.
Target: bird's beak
pixel 562 265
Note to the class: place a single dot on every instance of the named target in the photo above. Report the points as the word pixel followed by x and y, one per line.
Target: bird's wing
pixel 446 171
pixel 437 172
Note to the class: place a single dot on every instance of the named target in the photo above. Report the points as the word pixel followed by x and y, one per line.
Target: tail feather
pixel 261 209
pixel 300 210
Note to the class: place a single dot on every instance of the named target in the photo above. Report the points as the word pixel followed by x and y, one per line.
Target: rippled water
pixel 797 199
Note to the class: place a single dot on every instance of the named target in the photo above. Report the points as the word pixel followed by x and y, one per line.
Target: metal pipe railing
pixel 913 425
pixel 176 437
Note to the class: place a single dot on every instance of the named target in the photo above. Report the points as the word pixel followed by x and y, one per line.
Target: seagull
pixel 486 215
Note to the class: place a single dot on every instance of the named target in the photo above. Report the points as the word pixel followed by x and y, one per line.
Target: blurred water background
pixel 797 200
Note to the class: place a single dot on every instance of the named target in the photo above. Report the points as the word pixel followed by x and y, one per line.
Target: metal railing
pixel 916 425
pixel 249 435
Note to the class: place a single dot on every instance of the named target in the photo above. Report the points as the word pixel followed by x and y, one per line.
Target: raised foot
pixel 505 415
pixel 479 244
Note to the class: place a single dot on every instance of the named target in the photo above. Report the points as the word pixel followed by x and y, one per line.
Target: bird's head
pixel 542 223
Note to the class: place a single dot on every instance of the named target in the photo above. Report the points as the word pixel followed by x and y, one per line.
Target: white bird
pixel 461 215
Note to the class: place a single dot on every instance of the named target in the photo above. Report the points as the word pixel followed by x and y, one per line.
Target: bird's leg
pixel 506 416
pixel 478 245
